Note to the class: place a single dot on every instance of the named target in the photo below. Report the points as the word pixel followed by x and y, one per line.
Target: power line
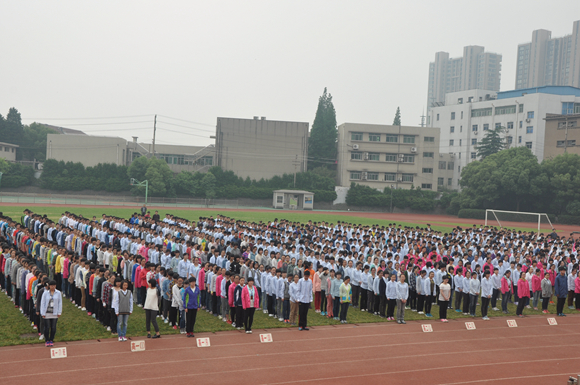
pixel 187 121
pixel 104 117
pixel 105 124
pixel 179 125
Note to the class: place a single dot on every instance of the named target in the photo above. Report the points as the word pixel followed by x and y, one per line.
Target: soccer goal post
pixel 517 216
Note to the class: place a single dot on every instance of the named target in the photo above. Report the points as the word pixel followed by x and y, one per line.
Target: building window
pixel 453 116
pixel 504 110
pixel 407 178
pixel 450 165
pixel 408 158
pixel 442 165
pixel 561 143
pixel 529 145
pixel 428 155
pixel 355 175
pixel 452 129
pixel 14 151
pixel 478 112
pixel 497 125
pixel 390 177
pixel 205 161
pixel 374 137
pixel 426 185
pixel 356 136
pixel 356 156
pixel 474 128
pixel 461 114
pixel 519 139
pixel 373 176
pixel 485 127
pixel 473 155
pixel 529 129
pixel 510 125
pixel 6 149
pixel 409 139
pixel 530 114
pixel 280 199
pixel 521 124
pixel 459 170
pixel 459 155
pixel 509 139
pixel 521 108
pixel 429 139
pixel 427 170
pixel 460 101
pixel 570 124
pixel 449 181
pixel 567 108
pixel 460 140
pixel 391 158
pixel 374 156
pixel 474 141
pixel 392 138
pixel 450 142
pixel 440 181
pixel 437 117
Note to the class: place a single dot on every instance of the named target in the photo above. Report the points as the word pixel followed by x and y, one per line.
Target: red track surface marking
pixel 342 354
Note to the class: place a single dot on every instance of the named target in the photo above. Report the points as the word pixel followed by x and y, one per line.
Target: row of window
pixel 387 177
pixel 375 156
pixel 503 110
pixel 485 126
pixel 569 108
pixel 7 149
pixel 562 143
pixel 389 138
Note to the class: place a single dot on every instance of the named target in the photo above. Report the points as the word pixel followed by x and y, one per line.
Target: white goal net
pixel 508 218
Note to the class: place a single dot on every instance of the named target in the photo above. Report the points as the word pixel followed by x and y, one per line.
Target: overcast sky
pixel 64 62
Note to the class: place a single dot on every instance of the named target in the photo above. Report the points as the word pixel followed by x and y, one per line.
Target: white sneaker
pixel 233 324
pixel 248 332
pixel 265 311
pixel 120 339
pixel 108 328
pixel 280 319
pixel 32 324
pixel 495 309
pixel 140 305
pixel 41 337
pixel 166 321
pixel 420 312
pixel 219 317
pixel 225 319
pixel 271 315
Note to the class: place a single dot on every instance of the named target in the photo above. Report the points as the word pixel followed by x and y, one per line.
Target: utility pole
pixel 422 124
pixel 296 162
pixel 154 131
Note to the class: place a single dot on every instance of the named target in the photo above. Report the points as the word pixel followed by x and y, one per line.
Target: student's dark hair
pixel 192 279
pixel 347 277
pixel 152 282
pixel 52 282
pixel 250 279
pixel 307 273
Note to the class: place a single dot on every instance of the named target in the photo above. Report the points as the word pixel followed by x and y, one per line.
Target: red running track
pixel 533 353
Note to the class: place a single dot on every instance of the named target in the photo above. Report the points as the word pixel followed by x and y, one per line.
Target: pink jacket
pixel 524 288
pixel 201 280
pixel 246 298
pixel 505 287
pixel 218 285
pixel 231 294
pixel 316 282
pixel 536 283
pixel 577 285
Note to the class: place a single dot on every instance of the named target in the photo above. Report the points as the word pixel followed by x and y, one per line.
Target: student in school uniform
pixel 370 292
pixel 305 299
pixel 335 293
pixel 487 290
pixel 238 303
pixel 458 280
pixel 524 294
pixel 123 305
pixel 50 311
pixel 496 282
pixel 294 300
pixel 561 290
pixel 536 288
pixel 191 304
pixel 152 307
pixel 444 297
pixel 391 294
pixel 402 296
pixel 345 298
pixel 467 291
pixel 474 290
pixel 506 290
pixel 421 291
pixel 429 291
pixel 250 302
pixel 546 293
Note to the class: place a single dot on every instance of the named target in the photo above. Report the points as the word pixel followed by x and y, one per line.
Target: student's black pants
pixel 272 304
pixel 560 302
pixel 113 321
pixel 151 318
pixel 343 310
pixel 363 298
pixel 571 298
pixel 143 294
pixel 484 306
pixel 494 296
pixel 545 302
pixel 443 309
pixel 466 302
pixel 233 315
pixel 521 305
pixel 49 329
pixel 413 299
pixel 249 318
pixel 355 294
pixel 382 305
pixel 577 295
pixel 106 317
pixel 371 301
pixel 377 302
pixel 190 316
pixel 173 316
pixel 239 316
pixel 428 303
pixel 392 304
pixel 322 301
pixel 303 314
pixel 420 302
pixel 166 307
pixel 214 304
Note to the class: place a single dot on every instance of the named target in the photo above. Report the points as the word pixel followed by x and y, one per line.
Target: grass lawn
pixel 75 324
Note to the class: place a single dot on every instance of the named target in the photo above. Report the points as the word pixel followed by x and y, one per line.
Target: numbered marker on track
pixel 58 353
pixel 137 346
pixel 512 323
pixel 266 337
pixel 470 325
pixel 427 328
pixel 552 321
pixel 203 343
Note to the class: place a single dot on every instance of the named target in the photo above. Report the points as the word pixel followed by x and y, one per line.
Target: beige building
pixel 92 150
pixel 382 156
pixel 260 148
pixel 8 151
pixel 562 135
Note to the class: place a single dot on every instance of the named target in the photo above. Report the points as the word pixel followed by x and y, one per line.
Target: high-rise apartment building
pixel 547 61
pixel 476 69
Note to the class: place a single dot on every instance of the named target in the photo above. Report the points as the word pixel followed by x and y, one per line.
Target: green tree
pixel 155 171
pixel 208 184
pixel 508 180
pixel 34 142
pixel 563 179
pixel 397 121
pixel 322 141
pixel 491 143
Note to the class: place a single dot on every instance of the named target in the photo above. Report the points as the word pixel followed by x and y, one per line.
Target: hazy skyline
pixel 199 60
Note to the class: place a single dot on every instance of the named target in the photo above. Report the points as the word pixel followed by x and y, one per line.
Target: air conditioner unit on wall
pixel 366 156
pixel 355 146
pixel 528 120
pixel 400 179
pixel 364 175
pixel 475 132
pixel 413 149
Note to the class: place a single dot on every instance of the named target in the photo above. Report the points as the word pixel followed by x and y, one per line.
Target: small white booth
pixel 293 200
